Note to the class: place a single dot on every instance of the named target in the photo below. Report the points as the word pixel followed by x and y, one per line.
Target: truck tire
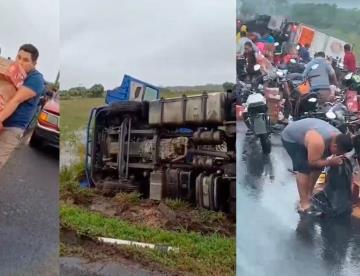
pixel 141 109
pixel 215 194
pixel 127 106
pixel 199 191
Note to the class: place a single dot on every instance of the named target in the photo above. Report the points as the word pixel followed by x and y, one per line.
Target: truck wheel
pixel 199 190
pixel 141 109
pixel 127 106
pixel 265 143
pixel 214 193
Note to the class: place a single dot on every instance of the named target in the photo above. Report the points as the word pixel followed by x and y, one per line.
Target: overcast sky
pixel 36 22
pixel 163 42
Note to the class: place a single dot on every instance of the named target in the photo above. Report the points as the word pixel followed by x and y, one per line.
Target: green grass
pixel 201 255
pixel 69 185
pixel 127 199
pixel 349 37
pixel 75 114
pixel 177 204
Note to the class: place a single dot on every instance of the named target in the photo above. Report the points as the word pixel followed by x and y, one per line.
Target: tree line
pixel 329 18
pixel 95 91
pixel 98 91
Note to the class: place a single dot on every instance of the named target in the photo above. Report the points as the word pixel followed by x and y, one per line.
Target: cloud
pixel 162 42
pixel 35 22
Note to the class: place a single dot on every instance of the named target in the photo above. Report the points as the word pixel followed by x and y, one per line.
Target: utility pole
pixel 57 85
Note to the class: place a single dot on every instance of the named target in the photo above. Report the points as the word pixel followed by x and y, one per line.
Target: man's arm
pixel 307 69
pixel 22 95
pixel 315 147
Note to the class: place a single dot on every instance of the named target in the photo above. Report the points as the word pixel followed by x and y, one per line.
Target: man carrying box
pixel 17 113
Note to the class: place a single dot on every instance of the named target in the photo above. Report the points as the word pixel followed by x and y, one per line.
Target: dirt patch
pixel 165 215
pixel 94 251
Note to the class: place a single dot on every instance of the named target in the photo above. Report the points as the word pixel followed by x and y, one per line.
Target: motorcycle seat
pixel 295 77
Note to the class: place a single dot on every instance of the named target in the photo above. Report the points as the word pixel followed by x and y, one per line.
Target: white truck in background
pixel 318 41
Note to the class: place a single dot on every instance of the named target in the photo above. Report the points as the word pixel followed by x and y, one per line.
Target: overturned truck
pixel 168 148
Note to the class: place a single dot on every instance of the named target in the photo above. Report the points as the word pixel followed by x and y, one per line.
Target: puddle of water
pixel 69 149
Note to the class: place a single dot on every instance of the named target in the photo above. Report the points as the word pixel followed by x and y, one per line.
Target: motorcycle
pixel 253 110
pixel 300 102
pixel 294 66
pixel 352 82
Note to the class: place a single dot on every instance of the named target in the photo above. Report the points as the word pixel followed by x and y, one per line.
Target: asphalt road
pixel 272 240
pixel 29 213
pixel 73 266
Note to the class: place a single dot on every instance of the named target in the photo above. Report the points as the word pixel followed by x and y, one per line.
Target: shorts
pixel 299 156
pixel 10 138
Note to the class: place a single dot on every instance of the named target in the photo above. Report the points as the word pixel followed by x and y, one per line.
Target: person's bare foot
pixel 303 207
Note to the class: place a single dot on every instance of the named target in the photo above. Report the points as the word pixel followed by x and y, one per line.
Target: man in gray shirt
pixel 309 142
pixel 321 75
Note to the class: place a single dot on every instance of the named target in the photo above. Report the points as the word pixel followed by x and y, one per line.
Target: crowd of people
pixel 278 50
pixel 270 51
pixel 311 143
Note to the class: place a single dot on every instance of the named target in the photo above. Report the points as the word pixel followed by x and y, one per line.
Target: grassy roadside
pixel 199 254
pixel 210 254
pixel 75 114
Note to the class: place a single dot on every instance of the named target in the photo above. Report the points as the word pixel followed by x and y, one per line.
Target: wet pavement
pixel 271 237
pixel 29 213
pixel 73 266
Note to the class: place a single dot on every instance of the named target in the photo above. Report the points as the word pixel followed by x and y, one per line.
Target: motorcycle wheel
pixel 265 143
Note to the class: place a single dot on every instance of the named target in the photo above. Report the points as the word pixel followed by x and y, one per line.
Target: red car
pixel 47 127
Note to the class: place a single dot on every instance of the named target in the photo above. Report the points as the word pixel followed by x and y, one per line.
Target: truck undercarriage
pixel 177 148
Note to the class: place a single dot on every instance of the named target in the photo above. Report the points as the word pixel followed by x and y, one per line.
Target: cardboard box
pixel 12 72
pixel 273 99
pixel 12 77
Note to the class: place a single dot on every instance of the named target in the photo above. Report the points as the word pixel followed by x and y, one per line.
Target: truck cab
pixel 132 89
